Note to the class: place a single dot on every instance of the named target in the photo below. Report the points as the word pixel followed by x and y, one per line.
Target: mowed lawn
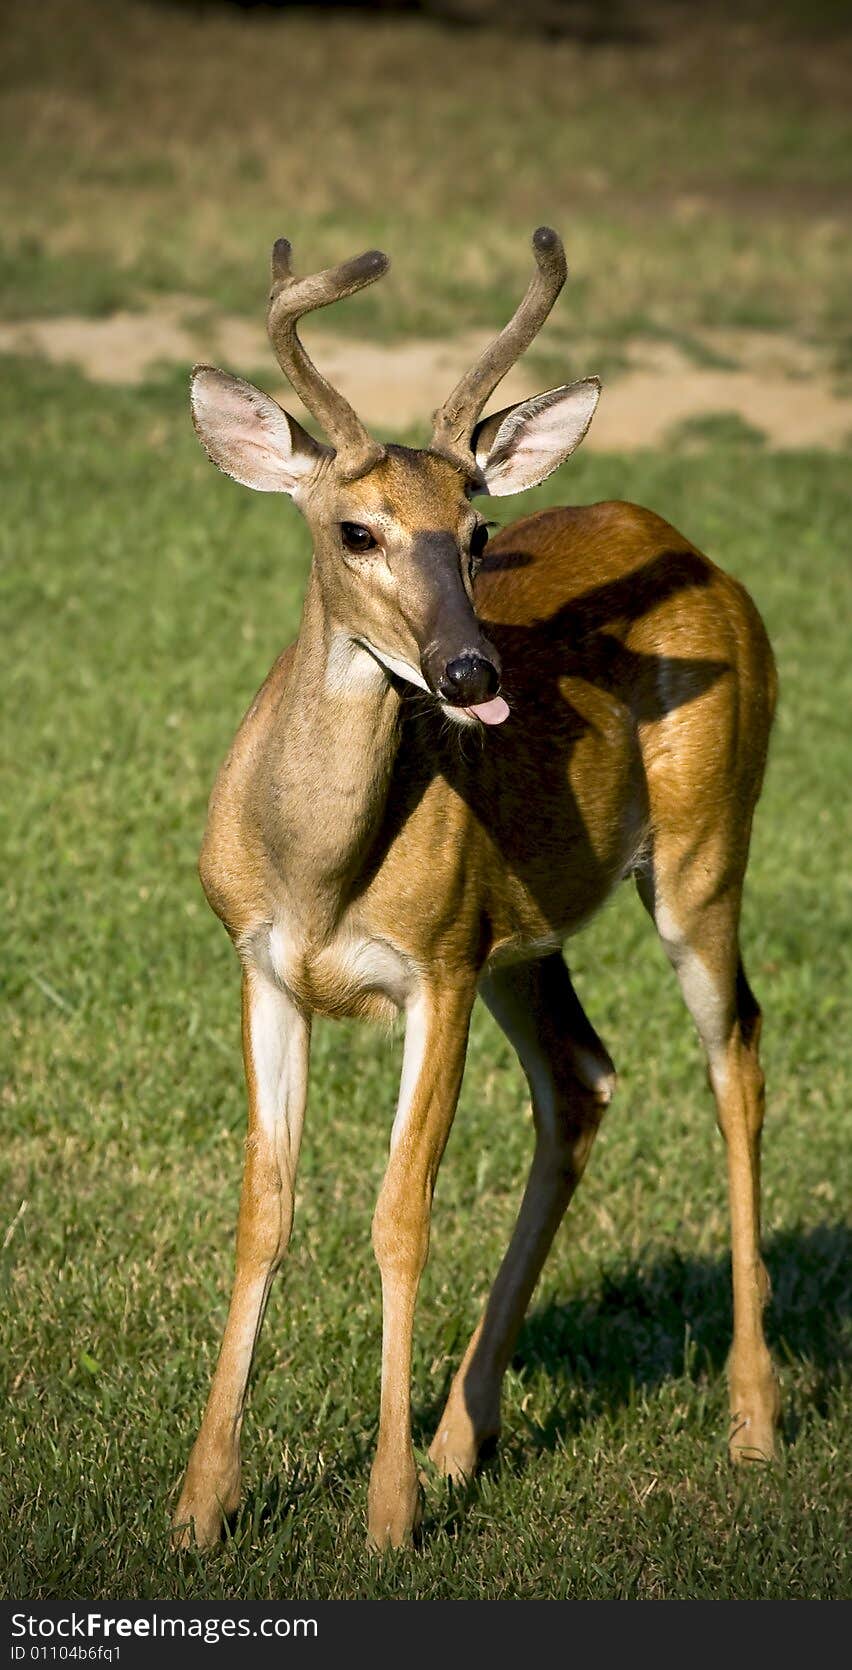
pixel 143 600
pixel 701 177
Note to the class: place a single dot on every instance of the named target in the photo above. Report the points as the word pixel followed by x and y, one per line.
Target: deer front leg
pixel 276 1039
pixel 433 1063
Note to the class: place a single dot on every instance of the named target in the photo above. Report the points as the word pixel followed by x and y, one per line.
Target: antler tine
pixel 455 420
pixel 289 299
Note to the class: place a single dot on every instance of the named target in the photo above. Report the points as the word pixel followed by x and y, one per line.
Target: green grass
pixel 144 598
pixel 701 180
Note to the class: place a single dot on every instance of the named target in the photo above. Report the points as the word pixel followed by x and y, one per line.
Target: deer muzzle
pixel 459 663
pixel 470 678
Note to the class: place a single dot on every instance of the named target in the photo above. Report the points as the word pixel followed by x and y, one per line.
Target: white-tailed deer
pixel 441 779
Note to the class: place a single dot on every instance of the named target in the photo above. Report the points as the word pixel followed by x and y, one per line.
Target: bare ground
pixel 778 385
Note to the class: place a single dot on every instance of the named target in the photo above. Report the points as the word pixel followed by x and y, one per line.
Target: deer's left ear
pixel 523 445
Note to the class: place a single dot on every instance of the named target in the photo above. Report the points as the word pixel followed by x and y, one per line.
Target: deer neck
pixel 334 745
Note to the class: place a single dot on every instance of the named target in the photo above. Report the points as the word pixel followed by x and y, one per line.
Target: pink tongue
pixel 491 713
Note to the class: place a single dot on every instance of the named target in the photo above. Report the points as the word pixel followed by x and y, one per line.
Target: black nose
pixel 469 679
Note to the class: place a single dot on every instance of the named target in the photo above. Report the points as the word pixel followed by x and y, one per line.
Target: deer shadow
pixel 648 1324
pixel 653 1323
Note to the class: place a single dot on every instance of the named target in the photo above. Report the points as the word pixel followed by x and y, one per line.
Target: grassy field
pixel 144 598
pixel 164 147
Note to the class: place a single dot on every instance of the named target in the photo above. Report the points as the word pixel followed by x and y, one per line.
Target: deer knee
pixel 595 1078
pixel 739 1086
pixel 755 1097
pixel 266 1209
pixel 567 1134
pixel 400 1231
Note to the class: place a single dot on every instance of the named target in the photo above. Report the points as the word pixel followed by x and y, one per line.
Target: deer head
pixel 396 536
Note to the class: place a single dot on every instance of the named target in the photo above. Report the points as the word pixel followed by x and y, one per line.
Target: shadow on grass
pixel 672 1318
pixel 649 1324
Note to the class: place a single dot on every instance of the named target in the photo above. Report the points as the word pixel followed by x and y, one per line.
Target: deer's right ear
pixel 249 436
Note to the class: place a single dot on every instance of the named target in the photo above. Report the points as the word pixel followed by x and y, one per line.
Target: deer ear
pixel 523 445
pixel 249 436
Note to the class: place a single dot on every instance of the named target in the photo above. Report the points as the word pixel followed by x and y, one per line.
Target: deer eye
pixel 356 538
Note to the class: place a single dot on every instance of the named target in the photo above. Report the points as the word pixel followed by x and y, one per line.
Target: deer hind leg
pixel 571 1079
pixel 699 926
pixel 276 1040
pixel 433 1063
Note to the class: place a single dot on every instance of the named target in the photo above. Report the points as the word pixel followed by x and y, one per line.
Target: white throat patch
pixel 402 669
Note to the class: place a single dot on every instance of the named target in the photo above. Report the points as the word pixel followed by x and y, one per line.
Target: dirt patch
pixel 122 348
pixel 777 385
